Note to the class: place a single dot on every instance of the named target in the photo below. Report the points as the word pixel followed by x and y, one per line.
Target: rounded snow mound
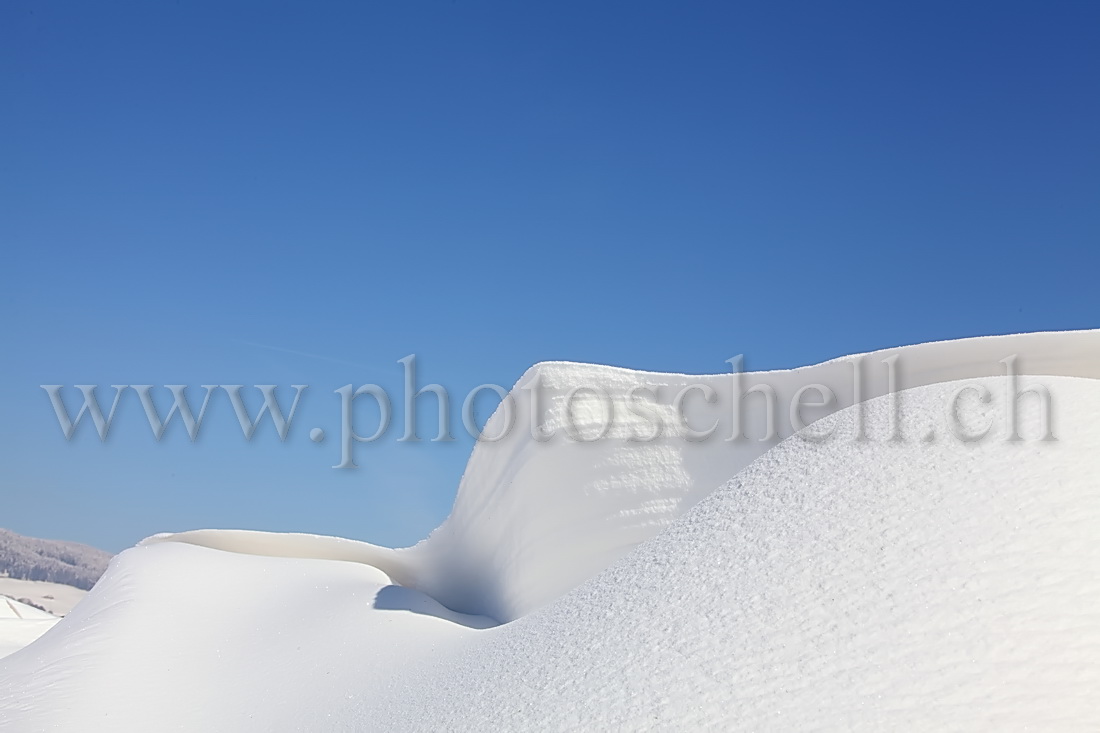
pixel 874 585
pixel 852 583
pixel 545 508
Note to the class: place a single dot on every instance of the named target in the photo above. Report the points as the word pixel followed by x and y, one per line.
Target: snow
pixel 21 624
pixel 788 584
pixel 56 598
pixel 53 561
pixel 13 609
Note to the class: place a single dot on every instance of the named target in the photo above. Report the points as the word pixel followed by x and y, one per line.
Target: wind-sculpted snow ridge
pixel 875 584
pixel 535 518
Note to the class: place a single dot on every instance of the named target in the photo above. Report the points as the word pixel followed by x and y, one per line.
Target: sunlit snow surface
pixel 843 584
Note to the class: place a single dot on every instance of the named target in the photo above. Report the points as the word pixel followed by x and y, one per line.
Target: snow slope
pixel 533 519
pixel 21 624
pixel 868 584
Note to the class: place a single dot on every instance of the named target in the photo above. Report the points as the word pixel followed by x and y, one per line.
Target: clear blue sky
pixel 271 193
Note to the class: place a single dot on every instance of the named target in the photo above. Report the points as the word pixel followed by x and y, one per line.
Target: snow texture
pixel 872 584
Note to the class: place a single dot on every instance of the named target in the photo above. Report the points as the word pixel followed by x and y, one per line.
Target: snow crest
pixel 842 584
pixel 534 518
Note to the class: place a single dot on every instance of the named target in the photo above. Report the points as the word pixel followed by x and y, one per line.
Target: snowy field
pixel 909 580
pixel 56 598
pixel 21 624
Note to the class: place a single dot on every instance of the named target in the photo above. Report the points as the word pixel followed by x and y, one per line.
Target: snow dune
pixel 870 584
pixel 534 519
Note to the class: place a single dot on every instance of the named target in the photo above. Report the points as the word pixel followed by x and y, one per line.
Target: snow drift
pixel 879 583
pixel 534 518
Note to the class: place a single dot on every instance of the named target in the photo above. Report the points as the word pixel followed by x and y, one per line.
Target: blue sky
pixel 253 193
